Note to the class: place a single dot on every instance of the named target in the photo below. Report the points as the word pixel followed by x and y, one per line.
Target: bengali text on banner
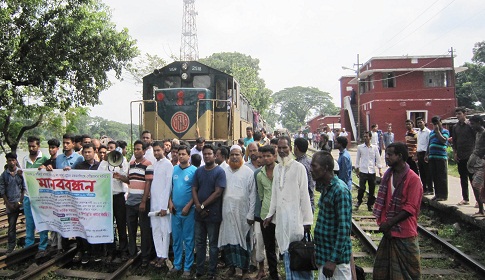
pixel 73 203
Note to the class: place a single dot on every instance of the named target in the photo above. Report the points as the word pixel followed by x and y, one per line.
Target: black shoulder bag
pixel 302 254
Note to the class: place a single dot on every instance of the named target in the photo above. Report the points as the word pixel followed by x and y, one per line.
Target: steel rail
pixel 18 256
pixel 56 262
pixel 121 271
pixel 478 267
pixel 366 240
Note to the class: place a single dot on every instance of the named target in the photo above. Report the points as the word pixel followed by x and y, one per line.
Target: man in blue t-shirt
pixel 207 189
pixel 182 208
pixel 438 159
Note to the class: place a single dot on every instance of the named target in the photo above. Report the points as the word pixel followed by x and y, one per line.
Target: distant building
pixel 396 88
pixel 318 123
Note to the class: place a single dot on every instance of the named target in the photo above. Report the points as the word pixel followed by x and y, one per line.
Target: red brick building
pixel 393 89
pixel 320 121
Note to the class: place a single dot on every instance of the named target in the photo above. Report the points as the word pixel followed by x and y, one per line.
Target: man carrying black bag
pixel 334 221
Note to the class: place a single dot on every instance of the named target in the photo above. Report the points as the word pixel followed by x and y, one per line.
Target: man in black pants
pixel 463 145
pixel 264 180
pixel 367 160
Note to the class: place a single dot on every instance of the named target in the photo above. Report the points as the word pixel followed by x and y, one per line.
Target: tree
pixel 246 70
pixel 144 65
pixel 470 84
pixel 296 104
pixel 55 54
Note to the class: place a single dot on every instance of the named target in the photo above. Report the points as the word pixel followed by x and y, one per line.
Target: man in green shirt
pixel 264 180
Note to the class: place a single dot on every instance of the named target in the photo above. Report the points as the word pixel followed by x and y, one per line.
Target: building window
pixel 435 79
pixel 388 80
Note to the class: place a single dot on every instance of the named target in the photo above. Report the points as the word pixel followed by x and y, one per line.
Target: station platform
pixel 463 212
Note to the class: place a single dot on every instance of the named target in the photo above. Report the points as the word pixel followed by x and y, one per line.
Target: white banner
pixel 73 203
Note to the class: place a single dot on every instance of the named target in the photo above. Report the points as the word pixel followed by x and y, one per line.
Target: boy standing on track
pixel 396 210
pixel 12 189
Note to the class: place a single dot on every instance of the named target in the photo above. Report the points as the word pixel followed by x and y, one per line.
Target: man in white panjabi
pixel 290 207
pixel 159 197
pixel 237 214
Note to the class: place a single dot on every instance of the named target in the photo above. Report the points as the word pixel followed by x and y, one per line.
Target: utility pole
pixel 358 99
pixel 189 47
pixel 453 76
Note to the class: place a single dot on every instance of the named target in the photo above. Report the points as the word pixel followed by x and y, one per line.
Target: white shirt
pixel 330 135
pixel 368 159
pixel 160 191
pixel 290 202
pixel 239 199
pixel 344 133
pixel 310 135
pixel 194 151
pixel 423 139
pixel 375 138
pixel 116 185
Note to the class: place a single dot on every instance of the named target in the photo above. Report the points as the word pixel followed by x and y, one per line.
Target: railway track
pixel 59 265
pixel 439 258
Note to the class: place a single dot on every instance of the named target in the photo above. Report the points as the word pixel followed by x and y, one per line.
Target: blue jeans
pixel 183 237
pixel 295 275
pixel 30 228
pixel 204 230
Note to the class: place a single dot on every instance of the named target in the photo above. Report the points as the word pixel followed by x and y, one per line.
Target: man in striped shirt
pixel 438 159
pixel 412 144
pixel 140 176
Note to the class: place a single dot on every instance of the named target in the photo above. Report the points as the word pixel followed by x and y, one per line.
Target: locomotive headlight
pixel 185 76
pixel 185 66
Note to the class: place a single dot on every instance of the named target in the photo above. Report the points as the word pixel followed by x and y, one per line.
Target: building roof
pixel 367 73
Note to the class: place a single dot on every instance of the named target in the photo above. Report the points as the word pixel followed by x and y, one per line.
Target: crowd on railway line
pixel 250 201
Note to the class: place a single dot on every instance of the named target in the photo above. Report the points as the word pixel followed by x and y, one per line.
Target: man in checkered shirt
pixel 334 221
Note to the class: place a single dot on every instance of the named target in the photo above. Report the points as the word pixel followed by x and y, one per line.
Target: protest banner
pixel 73 203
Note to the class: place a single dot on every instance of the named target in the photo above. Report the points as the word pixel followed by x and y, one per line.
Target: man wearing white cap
pixel 237 214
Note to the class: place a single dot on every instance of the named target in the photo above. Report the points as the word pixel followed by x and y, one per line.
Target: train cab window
pixel 172 82
pixel 221 94
pixel 202 81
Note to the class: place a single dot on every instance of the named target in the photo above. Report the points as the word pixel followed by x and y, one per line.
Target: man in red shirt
pixel 396 210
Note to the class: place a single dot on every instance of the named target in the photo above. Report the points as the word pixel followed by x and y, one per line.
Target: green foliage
pixel 55 54
pixel 246 70
pixel 296 103
pixel 145 65
pixel 470 84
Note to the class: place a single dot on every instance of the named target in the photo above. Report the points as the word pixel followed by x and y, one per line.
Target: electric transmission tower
pixel 189 49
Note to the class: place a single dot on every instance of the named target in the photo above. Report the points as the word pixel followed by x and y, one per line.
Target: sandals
pixel 478 214
pixel 463 202
pixel 159 262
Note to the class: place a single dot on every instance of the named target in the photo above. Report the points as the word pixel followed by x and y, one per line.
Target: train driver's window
pixel 221 93
pixel 202 81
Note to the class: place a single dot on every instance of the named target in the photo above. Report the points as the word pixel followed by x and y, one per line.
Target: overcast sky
pixel 298 43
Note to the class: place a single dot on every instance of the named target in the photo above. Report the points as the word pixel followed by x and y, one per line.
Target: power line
pixel 432 17
pixel 409 24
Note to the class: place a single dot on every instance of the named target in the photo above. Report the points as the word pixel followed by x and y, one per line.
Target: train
pixel 187 100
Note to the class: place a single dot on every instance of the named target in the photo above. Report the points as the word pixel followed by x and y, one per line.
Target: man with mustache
pixel 237 214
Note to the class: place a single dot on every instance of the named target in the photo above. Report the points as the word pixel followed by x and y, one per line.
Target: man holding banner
pixel 85 250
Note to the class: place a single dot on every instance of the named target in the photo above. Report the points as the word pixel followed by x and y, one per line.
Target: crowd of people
pixel 246 202
pixel 249 201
